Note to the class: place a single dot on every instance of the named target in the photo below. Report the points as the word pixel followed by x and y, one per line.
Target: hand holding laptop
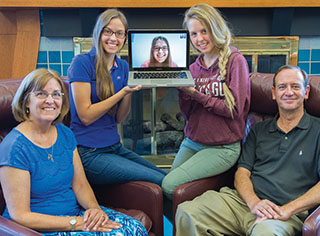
pixel 188 90
pixel 132 89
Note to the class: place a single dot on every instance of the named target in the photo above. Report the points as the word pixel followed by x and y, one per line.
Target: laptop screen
pixel 158 49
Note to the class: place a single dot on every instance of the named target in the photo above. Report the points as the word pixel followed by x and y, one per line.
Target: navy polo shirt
pixel 283 165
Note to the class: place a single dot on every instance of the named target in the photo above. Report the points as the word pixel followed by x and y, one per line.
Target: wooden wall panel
pixel 8 22
pixel 25 54
pixel 162 3
pixel 7 44
pixel 19 42
pixel 8 33
pixel 27 42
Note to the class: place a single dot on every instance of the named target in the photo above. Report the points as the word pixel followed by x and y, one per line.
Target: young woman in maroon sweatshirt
pixel 216 108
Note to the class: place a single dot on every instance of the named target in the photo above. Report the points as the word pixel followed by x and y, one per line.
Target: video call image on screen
pixel 141 48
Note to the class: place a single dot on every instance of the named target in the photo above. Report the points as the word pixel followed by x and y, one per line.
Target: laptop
pixel 167 65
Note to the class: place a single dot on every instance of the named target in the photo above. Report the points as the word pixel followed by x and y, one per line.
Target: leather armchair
pixel 139 199
pixel 262 106
pixel 311 226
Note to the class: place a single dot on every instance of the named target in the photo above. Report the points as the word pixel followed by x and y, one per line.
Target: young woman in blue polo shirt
pixel 99 99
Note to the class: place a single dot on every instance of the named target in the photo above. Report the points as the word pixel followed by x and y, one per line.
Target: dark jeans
pixel 117 164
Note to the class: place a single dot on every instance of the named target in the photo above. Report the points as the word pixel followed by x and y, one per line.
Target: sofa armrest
pixel 188 191
pixel 138 195
pixel 8 228
pixel 311 226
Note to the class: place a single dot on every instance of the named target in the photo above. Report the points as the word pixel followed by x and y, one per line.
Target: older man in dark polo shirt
pixel 277 179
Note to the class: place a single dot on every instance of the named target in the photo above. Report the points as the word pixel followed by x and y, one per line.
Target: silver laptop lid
pixel 141 52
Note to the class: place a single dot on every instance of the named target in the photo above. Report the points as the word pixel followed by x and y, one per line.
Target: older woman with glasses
pixel 159 54
pixel 100 99
pixel 43 181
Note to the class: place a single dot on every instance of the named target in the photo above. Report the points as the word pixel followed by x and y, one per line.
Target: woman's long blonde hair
pixel 105 88
pixel 220 34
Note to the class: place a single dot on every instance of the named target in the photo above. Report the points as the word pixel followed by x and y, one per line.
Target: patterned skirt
pixel 130 226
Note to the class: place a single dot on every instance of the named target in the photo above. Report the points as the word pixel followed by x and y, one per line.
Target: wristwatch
pixel 73 223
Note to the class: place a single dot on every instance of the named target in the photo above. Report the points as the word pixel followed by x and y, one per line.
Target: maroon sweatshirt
pixel 209 121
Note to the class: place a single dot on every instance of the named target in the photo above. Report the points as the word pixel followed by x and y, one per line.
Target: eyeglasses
pixel 45 95
pixel 119 34
pixel 164 48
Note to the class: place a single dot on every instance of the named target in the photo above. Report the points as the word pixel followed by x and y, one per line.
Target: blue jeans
pixel 117 164
pixel 196 161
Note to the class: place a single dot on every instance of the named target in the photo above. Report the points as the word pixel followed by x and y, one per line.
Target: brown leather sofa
pixel 142 200
pixel 262 107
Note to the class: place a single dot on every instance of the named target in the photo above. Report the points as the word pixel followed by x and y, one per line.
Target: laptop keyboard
pixel 160 75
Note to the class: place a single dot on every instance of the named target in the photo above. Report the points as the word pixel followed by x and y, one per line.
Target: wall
pixel 309 54
pixel 57 52
pixel 54 52
pixel 19 42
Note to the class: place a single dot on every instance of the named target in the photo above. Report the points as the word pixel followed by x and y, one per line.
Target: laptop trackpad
pixel 162 82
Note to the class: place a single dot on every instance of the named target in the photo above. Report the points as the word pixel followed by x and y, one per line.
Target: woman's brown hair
pixel 34 81
pixel 105 87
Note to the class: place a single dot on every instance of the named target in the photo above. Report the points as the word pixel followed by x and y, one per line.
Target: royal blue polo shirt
pixel 102 132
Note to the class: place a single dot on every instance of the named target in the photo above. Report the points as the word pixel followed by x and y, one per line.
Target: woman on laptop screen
pixel 159 54
pixel 217 107
pixel 100 98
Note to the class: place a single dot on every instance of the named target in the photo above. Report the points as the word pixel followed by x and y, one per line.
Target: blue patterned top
pixel 51 181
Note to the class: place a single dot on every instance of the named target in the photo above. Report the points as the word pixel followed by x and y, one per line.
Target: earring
pixel 27 110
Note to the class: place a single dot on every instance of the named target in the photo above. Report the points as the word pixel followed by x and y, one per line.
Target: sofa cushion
pixel 139 215
pixel 261 95
pixel 312 104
